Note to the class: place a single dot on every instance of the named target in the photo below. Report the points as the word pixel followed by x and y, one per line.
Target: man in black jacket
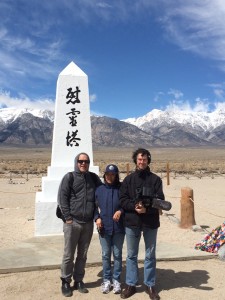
pixel 76 198
pixel 136 193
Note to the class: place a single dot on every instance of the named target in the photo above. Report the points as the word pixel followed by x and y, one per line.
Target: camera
pixel 149 199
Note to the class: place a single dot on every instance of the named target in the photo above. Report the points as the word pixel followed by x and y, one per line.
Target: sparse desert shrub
pixel 197 162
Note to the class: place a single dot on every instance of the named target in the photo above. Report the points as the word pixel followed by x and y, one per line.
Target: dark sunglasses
pixel 81 161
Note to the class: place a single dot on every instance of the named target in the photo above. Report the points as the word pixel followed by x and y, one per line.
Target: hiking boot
pixel 66 289
pixel 151 291
pixel 79 285
pixel 105 286
pixel 129 291
pixel 116 287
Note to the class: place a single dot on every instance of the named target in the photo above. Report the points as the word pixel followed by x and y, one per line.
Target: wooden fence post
pixel 187 208
pixel 168 173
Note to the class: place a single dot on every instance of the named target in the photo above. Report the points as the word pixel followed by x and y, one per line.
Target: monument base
pixel 46 221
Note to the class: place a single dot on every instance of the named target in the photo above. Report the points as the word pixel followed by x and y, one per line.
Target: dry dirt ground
pixel 194 279
pixel 202 280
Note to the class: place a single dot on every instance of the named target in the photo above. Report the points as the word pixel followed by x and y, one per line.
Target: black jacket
pixel 76 195
pixel 128 197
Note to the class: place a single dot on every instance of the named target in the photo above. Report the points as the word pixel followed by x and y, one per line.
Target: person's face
pixel 83 163
pixel 110 177
pixel 142 161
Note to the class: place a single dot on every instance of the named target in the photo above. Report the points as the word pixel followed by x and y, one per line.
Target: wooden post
pixel 187 218
pixel 168 173
pixel 128 169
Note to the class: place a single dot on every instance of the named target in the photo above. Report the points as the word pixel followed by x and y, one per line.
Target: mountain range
pixel 156 128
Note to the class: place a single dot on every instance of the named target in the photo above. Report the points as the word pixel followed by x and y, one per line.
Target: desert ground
pixel 202 170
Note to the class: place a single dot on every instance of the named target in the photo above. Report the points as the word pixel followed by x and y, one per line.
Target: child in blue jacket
pixel 108 218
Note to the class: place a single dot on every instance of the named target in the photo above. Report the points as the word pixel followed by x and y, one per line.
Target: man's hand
pixel 69 221
pixel 139 208
pixel 99 223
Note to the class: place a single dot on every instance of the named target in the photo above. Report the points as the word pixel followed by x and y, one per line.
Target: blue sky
pixel 139 55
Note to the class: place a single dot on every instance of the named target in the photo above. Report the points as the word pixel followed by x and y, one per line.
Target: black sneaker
pixel 80 287
pixel 66 289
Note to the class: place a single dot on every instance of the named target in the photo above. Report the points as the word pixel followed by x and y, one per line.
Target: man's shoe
pixel 66 289
pixel 151 291
pixel 128 291
pixel 80 287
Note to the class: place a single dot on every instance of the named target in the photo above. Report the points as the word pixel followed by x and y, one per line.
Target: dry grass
pixel 191 160
pixel 197 161
pixel 20 160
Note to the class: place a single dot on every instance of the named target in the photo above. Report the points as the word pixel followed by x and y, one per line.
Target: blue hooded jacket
pixel 107 203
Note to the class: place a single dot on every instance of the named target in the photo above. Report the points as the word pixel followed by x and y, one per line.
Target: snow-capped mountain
pixel 156 128
pixel 184 127
pixel 26 126
pixel 10 114
pixel 203 120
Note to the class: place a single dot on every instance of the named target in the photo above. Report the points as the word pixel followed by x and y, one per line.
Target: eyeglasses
pixel 81 161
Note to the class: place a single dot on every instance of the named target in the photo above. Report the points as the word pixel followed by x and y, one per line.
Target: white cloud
pixel 178 106
pixel 103 5
pixel 93 98
pixel 32 40
pixel 196 26
pixel 219 93
pixel 200 105
pixel 158 96
pixel 7 101
pixel 220 106
pixel 176 102
pixel 176 93
pixel 218 89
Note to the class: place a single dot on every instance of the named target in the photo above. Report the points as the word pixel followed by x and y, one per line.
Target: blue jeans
pixel 133 236
pixel 112 244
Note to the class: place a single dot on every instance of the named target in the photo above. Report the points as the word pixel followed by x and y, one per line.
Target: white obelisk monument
pixel 71 135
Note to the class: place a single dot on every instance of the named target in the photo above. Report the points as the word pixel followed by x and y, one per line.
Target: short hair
pixel 141 151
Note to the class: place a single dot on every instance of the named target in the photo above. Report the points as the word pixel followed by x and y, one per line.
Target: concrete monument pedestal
pixel 71 135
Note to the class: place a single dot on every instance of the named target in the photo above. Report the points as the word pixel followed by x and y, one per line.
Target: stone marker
pixel 71 135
